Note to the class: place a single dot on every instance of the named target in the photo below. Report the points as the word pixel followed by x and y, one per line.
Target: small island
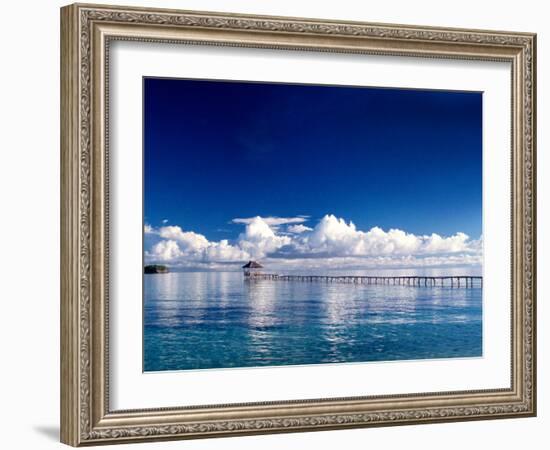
pixel 155 268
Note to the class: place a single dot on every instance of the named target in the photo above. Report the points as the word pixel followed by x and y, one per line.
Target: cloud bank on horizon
pixel 287 243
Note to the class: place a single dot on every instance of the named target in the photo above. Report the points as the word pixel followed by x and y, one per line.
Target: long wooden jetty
pixel 466 281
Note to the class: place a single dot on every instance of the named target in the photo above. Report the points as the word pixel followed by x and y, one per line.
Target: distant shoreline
pixel 155 268
pixel 405 272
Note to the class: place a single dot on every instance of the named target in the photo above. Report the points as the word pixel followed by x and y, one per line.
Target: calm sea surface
pixel 210 320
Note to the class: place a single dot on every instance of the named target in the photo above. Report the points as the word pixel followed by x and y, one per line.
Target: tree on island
pixel 156 268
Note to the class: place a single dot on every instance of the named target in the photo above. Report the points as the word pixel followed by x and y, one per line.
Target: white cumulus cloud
pixel 297 229
pixel 188 240
pixel 332 243
pixel 272 221
pixel 166 251
pixel 179 246
pixel 223 251
pixel 335 237
pixel 259 239
pixel 436 244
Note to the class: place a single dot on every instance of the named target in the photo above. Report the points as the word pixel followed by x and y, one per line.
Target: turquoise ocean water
pixel 207 320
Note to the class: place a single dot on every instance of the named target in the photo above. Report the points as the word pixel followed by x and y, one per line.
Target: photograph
pixel 299 224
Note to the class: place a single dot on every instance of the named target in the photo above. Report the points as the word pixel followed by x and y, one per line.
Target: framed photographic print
pixel 275 224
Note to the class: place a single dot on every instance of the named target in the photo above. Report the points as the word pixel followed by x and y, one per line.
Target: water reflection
pixel 213 320
pixel 261 298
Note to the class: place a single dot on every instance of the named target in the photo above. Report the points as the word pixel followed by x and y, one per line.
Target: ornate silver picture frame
pixel 87 33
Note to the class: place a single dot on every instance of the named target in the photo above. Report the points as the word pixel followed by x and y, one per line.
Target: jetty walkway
pixel 458 281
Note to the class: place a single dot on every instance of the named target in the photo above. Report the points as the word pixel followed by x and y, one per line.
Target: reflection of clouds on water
pixel 336 309
pixel 164 290
pixel 339 304
pixel 460 297
pixel 392 304
pixel 206 320
pixel 222 284
pixel 182 299
pixel 262 297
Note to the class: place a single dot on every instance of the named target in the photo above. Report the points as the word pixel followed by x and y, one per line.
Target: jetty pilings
pixel 453 281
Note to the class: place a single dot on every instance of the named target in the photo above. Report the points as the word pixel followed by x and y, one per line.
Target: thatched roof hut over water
pixel 253 265
pixel 252 268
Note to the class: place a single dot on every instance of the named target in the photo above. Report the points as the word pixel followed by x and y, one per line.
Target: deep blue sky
pixel 394 158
